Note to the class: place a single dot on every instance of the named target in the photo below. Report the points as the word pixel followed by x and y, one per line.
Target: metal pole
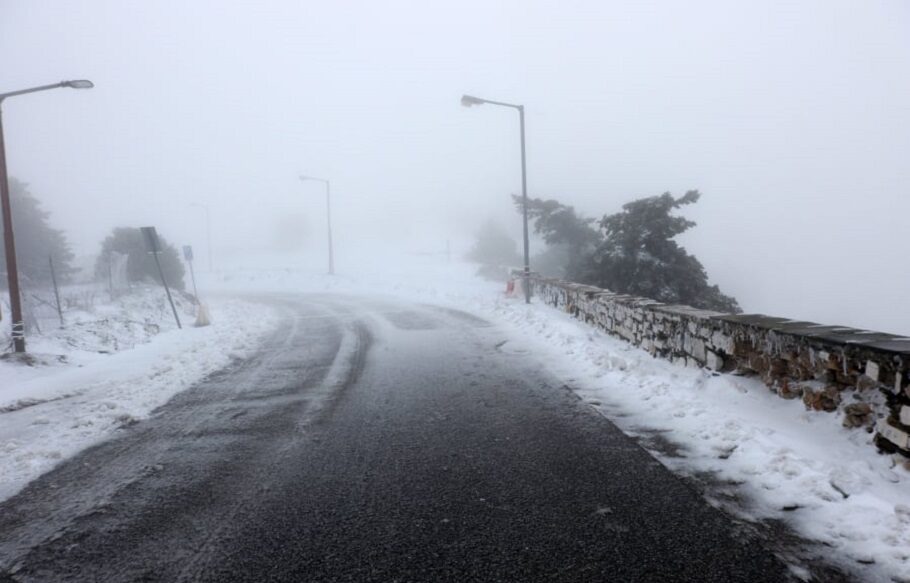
pixel 208 235
pixel 193 276
pixel 12 269
pixel 167 289
pixel 328 212
pixel 110 274
pixel 50 260
pixel 524 204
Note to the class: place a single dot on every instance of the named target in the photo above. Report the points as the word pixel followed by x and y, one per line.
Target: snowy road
pixel 373 440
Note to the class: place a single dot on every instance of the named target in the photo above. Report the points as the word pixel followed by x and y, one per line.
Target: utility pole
pixel 188 257
pixel 208 230
pixel 328 214
pixel 9 241
pixel 469 101
pixel 50 260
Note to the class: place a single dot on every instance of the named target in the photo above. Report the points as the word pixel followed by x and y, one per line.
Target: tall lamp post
pixel 328 214
pixel 9 242
pixel 469 101
pixel 208 230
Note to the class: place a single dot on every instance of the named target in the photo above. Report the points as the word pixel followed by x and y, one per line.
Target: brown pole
pixel 9 244
pixel 50 259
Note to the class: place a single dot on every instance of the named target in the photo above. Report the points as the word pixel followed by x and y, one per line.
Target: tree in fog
pixel 566 233
pixel 494 246
pixel 494 250
pixel 552 261
pixel 632 251
pixel 140 265
pixel 639 256
pixel 36 240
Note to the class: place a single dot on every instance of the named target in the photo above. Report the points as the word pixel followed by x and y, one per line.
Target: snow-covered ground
pixel 113 363
pixel 781 461
pixel 778 460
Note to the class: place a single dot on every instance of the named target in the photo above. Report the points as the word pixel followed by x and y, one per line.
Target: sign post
pixel 151 240
pixel 188 256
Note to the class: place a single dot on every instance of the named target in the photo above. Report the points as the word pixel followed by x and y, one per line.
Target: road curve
pixel 372 440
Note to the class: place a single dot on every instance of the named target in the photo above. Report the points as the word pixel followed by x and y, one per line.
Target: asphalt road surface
pixel 373 440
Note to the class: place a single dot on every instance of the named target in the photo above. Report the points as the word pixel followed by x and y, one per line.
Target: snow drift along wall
pixel 821 364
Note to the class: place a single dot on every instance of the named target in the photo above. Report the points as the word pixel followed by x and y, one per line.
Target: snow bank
pixel 111 365
pixel 784 462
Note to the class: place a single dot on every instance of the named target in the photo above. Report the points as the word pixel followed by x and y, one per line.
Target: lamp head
pixel 469 100
pixel 79 84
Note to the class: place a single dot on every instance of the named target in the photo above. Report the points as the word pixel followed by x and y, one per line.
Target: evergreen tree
pixel 140 265
pixel 36 240
pixel 552 261
pixel 632 251
pixel 639 256
pixel 565 232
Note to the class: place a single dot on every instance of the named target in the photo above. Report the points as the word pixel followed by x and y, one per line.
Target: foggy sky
pixel 792 119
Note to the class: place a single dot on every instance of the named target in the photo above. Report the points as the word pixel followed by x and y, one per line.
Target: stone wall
pixel 823 365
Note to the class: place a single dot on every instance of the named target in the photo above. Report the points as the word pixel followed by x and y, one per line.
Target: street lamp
pixel 12 270
pixel 328 213
pixel 469 101
pixel 208 230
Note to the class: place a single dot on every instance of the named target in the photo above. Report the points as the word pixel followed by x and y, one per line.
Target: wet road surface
pixel 373 441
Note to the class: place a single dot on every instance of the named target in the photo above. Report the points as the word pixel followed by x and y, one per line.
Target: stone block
pixel 759 362
pixel 896 436
pixel 722 342
pixel 905 415
pixel 873 370
pixel 714 361
pixel 826 399
pixel 695 347
pixel 777 367
pixel 865 383
pixel 742 347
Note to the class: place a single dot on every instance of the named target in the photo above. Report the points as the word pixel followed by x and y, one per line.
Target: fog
pixel 792 119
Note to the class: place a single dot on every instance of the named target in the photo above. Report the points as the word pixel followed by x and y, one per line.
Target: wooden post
pixel 50 259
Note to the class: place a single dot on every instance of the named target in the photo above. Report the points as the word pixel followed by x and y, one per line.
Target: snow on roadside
pixel 784 462
pixel 108 368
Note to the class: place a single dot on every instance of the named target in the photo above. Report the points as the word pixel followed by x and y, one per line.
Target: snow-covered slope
pixel 111 365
